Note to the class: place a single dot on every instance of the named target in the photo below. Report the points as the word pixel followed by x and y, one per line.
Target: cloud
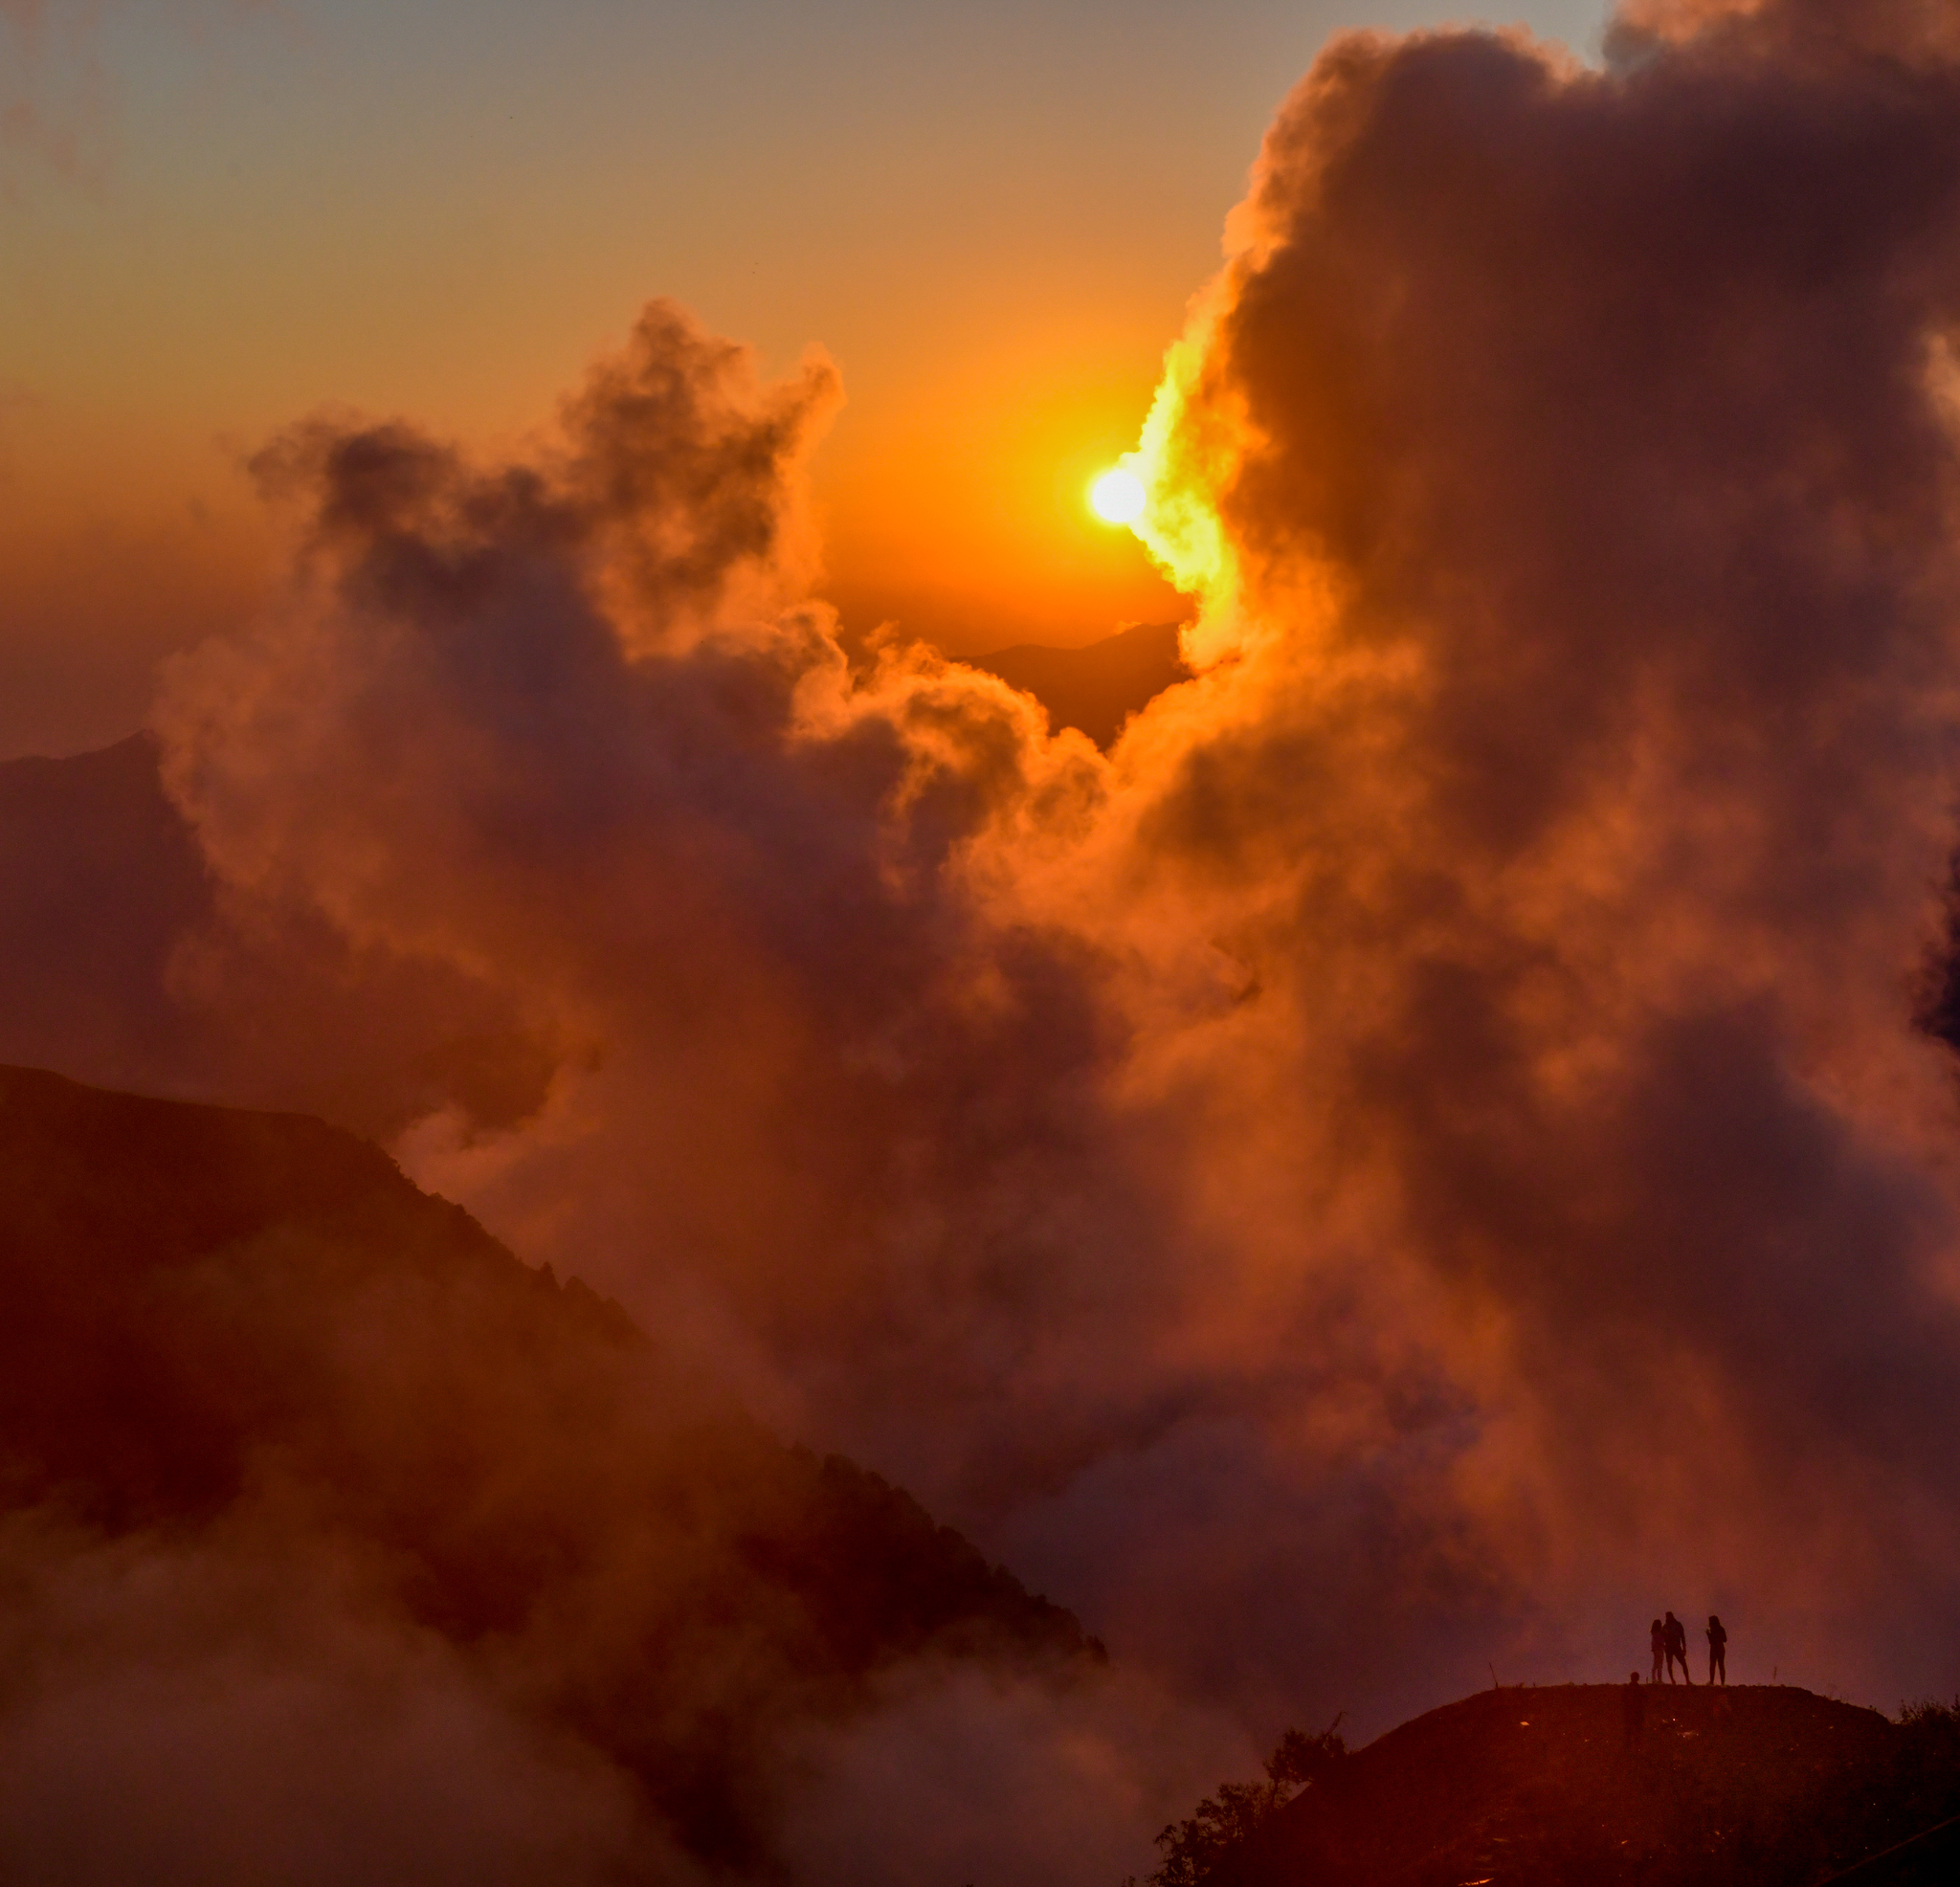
pixel 1587 494
pixel 1423 1150
pixel 187 1711
pixel 969 1774
pixel 730 879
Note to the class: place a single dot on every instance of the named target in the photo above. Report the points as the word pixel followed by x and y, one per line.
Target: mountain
pixel 1753 1786
pixel 1097 687
pixel 249 1330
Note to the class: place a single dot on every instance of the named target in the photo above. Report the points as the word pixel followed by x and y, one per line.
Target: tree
pixel 1224 1823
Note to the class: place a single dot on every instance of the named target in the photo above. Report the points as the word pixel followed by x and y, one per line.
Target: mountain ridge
pixel 251 1330
pixel 1097 687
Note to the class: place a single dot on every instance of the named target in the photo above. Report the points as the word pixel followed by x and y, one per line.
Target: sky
pixel 217 217
pixel 1436 1145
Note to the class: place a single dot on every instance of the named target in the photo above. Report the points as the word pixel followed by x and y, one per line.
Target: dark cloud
pixel 744 888
pixel 1585 455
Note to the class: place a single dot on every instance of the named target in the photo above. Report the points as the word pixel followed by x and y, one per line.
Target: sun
pixel 1116 496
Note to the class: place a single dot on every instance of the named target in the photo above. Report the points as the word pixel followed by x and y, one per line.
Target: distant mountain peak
pixel 1096 687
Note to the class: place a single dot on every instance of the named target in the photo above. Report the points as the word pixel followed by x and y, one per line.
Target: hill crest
pixel 1541 1786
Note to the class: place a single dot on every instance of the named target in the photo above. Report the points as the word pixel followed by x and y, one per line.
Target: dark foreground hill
pixel 249 1333
pixel 1749 1786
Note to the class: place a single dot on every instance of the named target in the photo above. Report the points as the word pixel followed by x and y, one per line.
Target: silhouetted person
pixel 1678 1650
pixel 1718 1650
pixel 1632 1707
pixel 1656 1637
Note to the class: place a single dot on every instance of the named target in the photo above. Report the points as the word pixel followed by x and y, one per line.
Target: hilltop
pixel 1754 1786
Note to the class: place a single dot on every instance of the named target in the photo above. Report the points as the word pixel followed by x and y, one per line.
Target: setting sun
pixel 1117 497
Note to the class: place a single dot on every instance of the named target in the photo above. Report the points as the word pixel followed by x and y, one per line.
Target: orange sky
pixel 219 216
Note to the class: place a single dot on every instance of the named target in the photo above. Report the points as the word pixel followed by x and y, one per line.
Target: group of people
pixel 1670 1638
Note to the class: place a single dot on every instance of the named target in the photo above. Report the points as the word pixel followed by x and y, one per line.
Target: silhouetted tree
pixel 1225 1822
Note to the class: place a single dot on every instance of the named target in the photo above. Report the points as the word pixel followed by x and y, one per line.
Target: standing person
pixel 1633 1708
pixel 1656 1637
pixel 1678 1650
pixel 1718 1650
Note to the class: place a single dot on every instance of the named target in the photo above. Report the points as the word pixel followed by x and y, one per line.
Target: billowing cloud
pixel 1421 1154
pixel 1579 452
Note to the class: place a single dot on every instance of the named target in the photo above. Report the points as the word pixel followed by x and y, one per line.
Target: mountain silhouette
pixel 1097 687
pixel 250 1327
